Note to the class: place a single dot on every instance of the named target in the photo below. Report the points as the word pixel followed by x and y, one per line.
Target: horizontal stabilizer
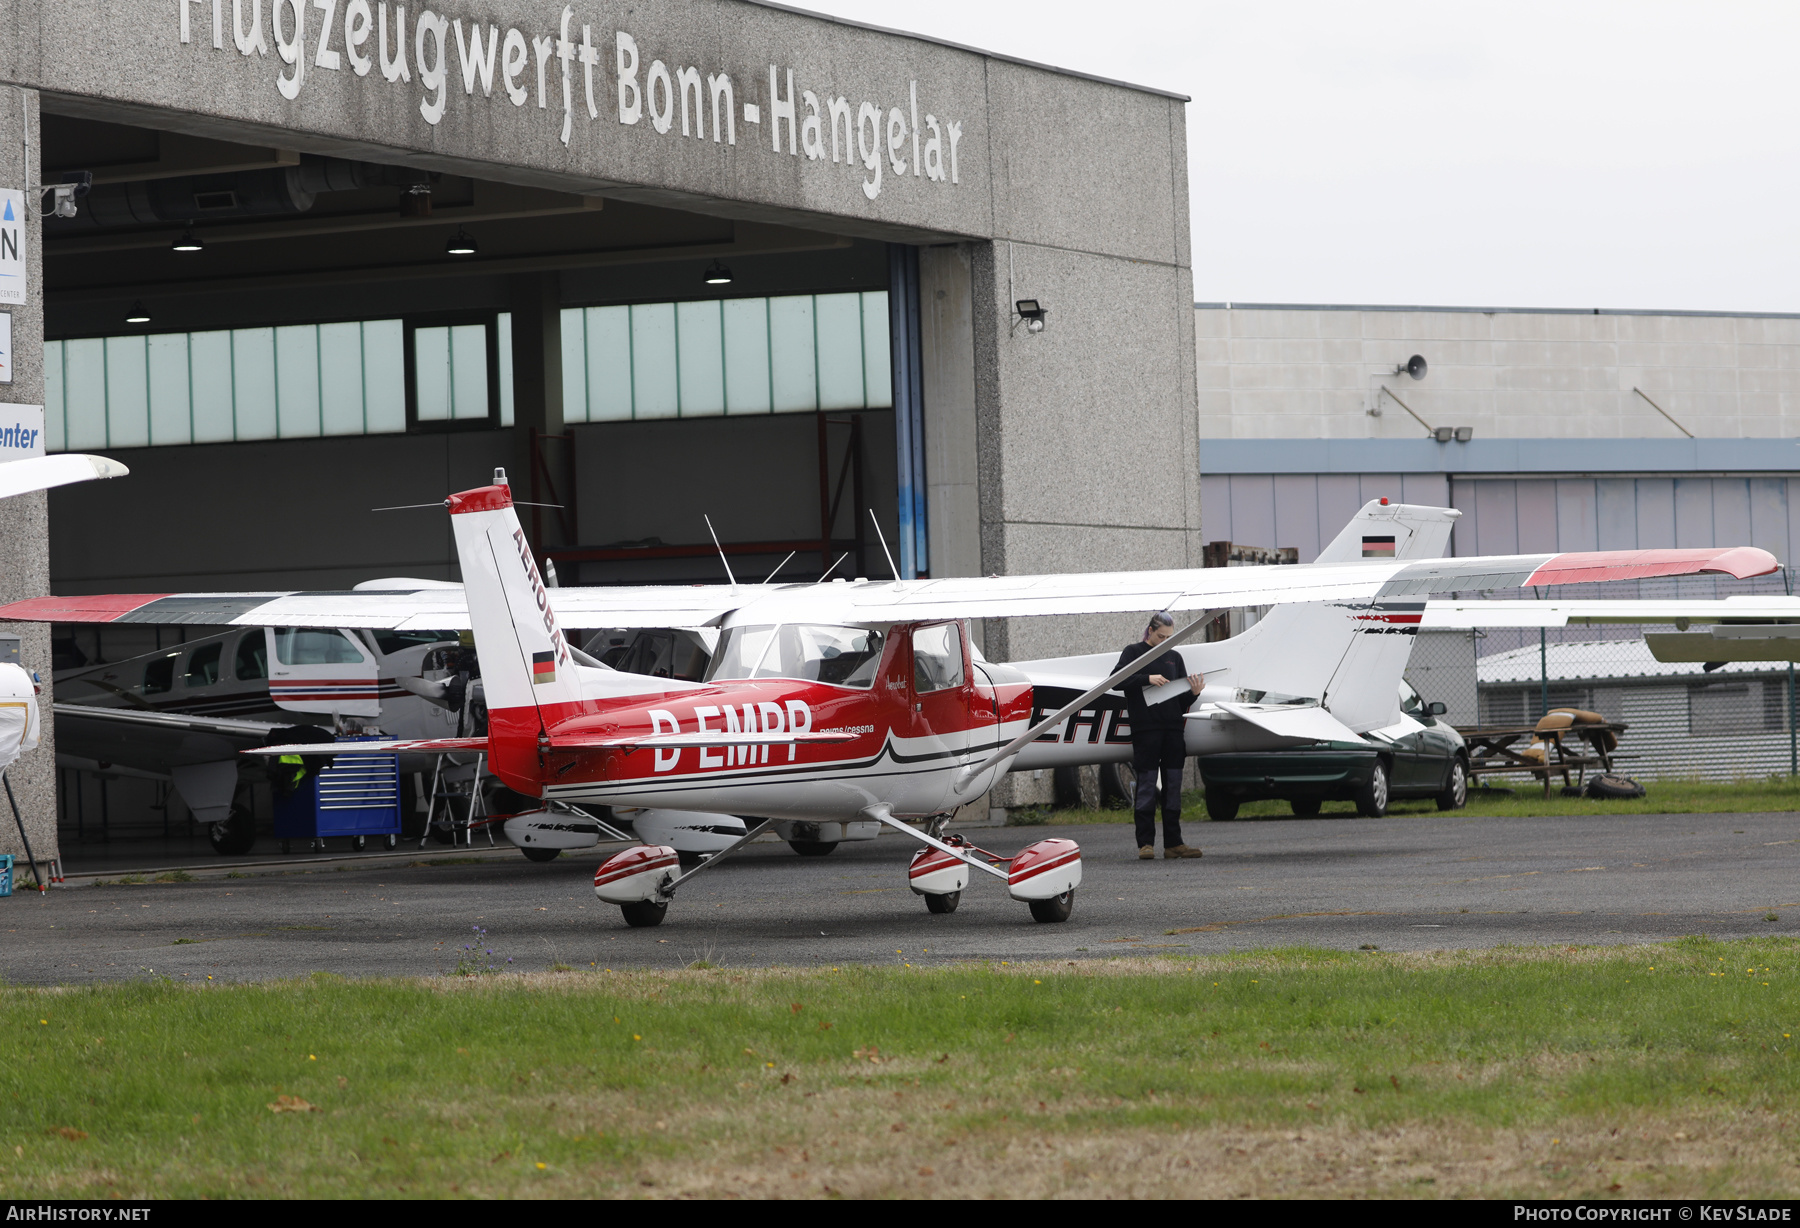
pixel 424 746
pixel 678 741
pixel 1304 724
pixel 1676 649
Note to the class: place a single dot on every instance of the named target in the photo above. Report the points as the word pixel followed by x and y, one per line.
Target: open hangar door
pixel 277 343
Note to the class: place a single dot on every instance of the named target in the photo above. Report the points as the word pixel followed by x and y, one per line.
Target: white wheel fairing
pixel 1045 870
pixel 540 829
pixel 636 874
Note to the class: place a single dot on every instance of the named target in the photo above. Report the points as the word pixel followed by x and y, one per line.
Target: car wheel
pixel 1221 807
pixel 1306 807
pixel 812 848
pixel 1118 786
pixel 1456 788
pixel 1372 798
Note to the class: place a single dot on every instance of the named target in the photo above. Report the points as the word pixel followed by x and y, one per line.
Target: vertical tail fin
pixel 527 673
pixel 1349 655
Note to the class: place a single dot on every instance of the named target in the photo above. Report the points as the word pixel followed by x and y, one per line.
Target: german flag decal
pixel 543 666
pixel 1378 547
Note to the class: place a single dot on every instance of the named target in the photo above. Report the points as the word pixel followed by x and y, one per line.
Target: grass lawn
pixel 1776 793
pixel 1660 1071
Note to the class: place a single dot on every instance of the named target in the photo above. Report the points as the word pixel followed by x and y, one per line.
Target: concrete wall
pixel 1304 373
pixel 23 519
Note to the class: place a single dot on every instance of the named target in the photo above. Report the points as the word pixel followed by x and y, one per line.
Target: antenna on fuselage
pixel 832 568
pixel 720 549
pixel 780 565
pixel 884 545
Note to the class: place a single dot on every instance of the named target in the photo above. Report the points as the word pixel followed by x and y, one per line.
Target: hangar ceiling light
pixel 461 244
pixel 717 275
pixel 137 314
pixel 188 242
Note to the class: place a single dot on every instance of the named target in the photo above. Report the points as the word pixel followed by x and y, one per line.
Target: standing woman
pixel 1158 736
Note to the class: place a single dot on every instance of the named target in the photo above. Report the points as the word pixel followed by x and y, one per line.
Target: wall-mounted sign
pixel 12 246
pixel 21 432
pixel 572 70
pixel 6 359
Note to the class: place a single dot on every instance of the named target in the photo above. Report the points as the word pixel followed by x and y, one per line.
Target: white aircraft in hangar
pixel 873 691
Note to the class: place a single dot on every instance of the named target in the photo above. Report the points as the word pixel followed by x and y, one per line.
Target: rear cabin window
pixel 203 666
pixel 310 646
pixel 845 656
pixel 253 656
pixel 159 675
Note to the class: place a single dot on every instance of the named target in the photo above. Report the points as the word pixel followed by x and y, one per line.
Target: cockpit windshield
pixel 846 656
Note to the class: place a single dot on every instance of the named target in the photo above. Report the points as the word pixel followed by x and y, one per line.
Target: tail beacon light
pixel 1045 870
pixel 636 874
pixel 935 872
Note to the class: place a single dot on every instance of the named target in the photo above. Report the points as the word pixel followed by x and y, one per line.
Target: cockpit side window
pixel 937 658
pixel 253 656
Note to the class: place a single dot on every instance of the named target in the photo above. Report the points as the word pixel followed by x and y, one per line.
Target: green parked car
pixel 1428 761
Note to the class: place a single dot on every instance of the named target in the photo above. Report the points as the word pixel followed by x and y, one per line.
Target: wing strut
pixel 1048 723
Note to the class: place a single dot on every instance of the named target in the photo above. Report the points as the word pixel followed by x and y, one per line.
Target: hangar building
pixel 660 260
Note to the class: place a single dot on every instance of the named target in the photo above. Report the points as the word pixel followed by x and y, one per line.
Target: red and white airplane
pixel 841 701
pixel 867 702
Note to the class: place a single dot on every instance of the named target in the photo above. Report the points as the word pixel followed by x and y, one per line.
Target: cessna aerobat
pixel 835 702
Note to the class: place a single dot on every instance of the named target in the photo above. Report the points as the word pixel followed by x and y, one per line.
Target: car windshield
pixel 846 656
pixel 1410 703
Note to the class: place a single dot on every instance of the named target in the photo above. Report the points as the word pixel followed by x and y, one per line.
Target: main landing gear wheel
pixel 1056 908
pixel 1372 798
pixel 947 903
pixel 812 848
pixel 536 854
pixel 1305 807
pixel 234 835
pixel 641 914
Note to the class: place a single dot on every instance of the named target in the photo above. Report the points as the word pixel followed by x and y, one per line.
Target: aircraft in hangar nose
pixel 856 701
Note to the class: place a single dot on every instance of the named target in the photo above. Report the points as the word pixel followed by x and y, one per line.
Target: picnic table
pixel 1575 749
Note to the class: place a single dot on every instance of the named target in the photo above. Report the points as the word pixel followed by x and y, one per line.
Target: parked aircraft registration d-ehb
pixel 866 702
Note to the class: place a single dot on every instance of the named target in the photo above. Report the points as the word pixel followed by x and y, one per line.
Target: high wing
pixel 891 601
pixel 151 741
pixel 42 472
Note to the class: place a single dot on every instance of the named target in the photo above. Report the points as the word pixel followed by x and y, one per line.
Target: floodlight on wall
pixel 63 196
pixel 188 242
pixel 1464 434
pixel 1032 313
pixel 717 275
pixel 461 244
pixel 137 314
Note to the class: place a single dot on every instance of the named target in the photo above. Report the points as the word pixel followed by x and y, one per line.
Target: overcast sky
pixel 1585 154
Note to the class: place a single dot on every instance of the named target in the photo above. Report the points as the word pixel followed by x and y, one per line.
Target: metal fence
pixel 1687 719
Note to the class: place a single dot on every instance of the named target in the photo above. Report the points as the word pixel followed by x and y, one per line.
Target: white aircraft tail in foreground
pixel 1344 659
